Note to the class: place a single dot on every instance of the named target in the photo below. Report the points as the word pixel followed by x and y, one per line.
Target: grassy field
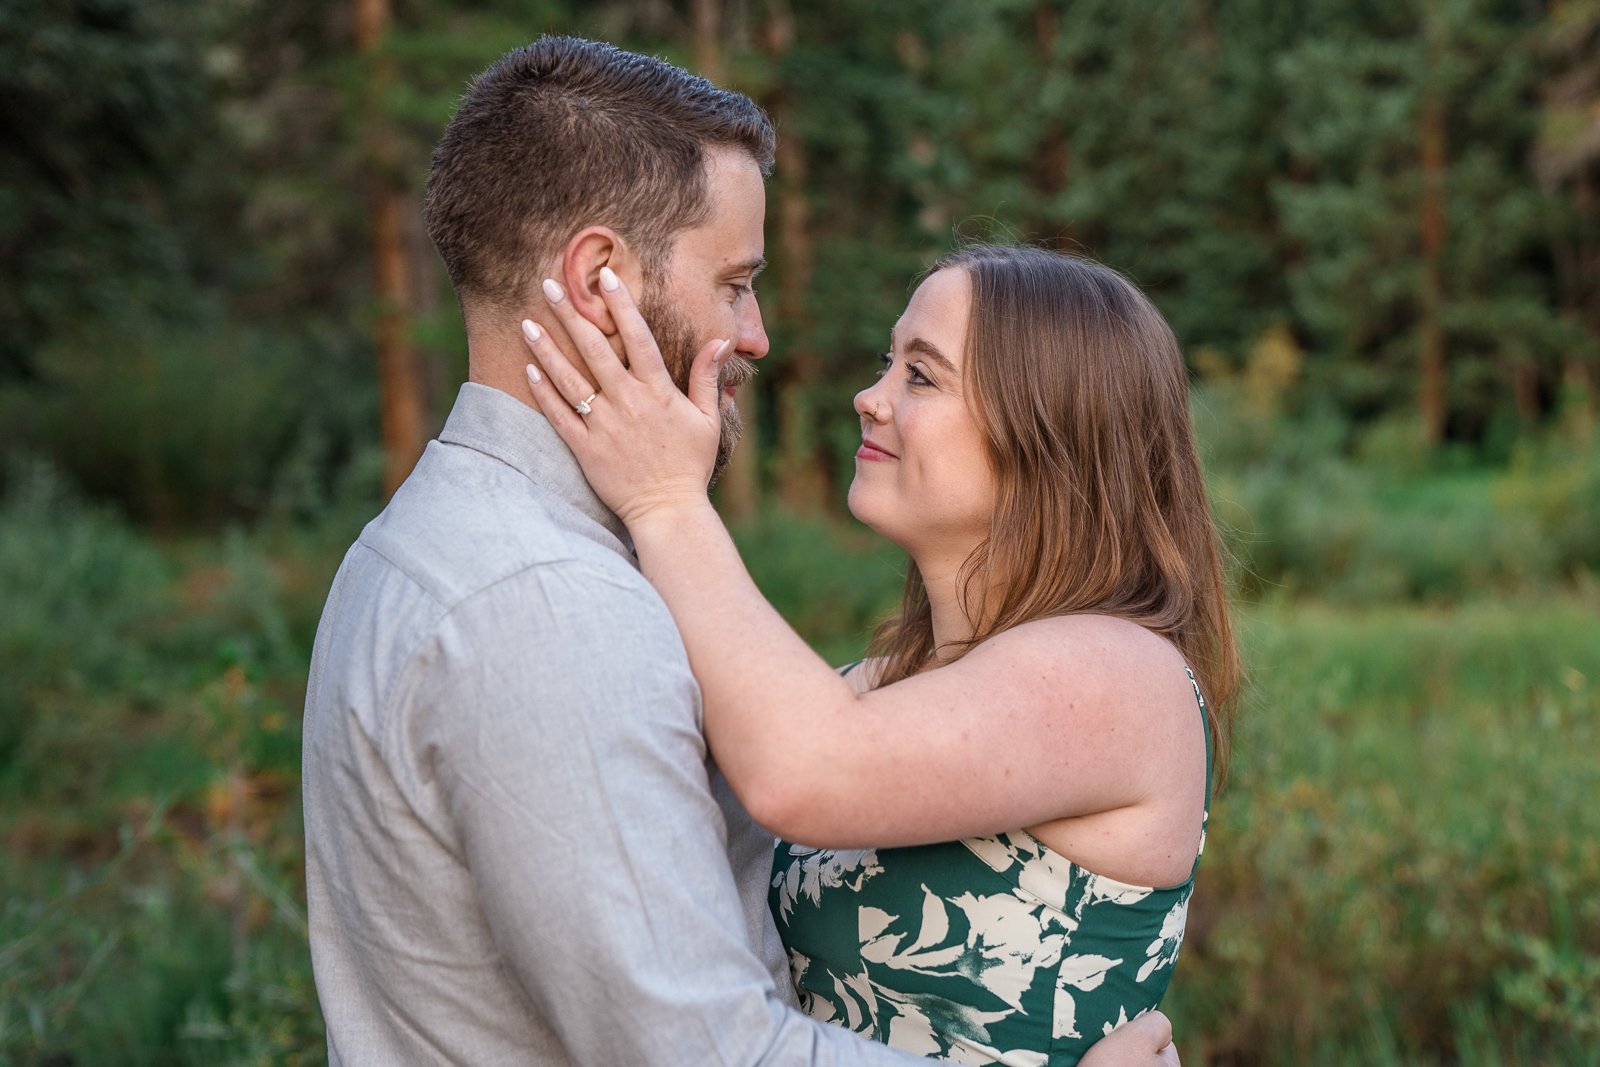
pixel 1404 869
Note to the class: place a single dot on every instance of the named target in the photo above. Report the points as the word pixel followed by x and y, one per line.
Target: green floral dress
pixel 987 950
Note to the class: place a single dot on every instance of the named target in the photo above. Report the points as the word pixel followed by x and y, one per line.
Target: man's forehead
pixel 708 251
pixel 730 242
pixel 726 251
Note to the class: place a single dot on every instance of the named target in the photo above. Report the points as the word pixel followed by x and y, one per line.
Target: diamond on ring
pixel 582 407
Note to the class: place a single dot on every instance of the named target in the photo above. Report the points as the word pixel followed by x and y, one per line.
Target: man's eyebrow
pixel 751 267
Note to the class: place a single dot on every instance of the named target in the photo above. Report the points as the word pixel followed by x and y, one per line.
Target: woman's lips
pixel 870 451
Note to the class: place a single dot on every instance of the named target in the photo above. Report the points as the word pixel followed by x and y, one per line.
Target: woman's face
pixel 922 479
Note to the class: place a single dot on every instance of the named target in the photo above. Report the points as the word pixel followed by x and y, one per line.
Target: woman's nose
pixel 867 403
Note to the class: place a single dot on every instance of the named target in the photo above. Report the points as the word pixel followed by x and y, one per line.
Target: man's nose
pixel 752 340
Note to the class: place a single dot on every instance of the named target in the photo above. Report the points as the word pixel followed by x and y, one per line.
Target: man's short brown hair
pixel 565 133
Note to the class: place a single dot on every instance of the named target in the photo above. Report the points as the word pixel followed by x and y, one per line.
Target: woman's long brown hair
pixel 1080 391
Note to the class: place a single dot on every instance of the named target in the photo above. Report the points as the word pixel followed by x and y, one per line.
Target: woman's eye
pixel 917 377
pixel 885 362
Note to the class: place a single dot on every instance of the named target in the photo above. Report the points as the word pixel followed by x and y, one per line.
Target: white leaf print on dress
pixel 1014 937
pixel 821 869
pixel 1097 888
pixel 924 955
pixel 960 1034
pixel 1121 1020
pixel 1163 951
pixel 1048 876
pixel 912 1031
pixel 972 1052
pixel 999 855
pixel 1087 973
pixel 860 1001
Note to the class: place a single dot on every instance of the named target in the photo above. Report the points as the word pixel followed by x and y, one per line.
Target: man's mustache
pixel 736 371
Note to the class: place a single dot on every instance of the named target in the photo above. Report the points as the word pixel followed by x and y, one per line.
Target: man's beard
pixel 678 348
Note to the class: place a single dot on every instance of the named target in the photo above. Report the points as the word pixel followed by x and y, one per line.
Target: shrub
pixel 188 424
pixel 77 584
pixel 1408 847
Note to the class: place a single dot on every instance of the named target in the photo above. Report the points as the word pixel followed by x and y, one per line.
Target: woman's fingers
pixel 644 355
pixel 556 386
pixel 604 366
pixel 705 377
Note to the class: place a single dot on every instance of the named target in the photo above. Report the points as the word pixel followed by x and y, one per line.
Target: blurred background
pixel 1375 227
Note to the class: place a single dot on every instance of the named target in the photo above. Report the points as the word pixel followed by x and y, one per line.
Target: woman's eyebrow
pixel 927 348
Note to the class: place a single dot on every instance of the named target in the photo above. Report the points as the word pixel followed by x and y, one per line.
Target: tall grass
pixel 1405 869
pixel 149 791
pixel 1410 848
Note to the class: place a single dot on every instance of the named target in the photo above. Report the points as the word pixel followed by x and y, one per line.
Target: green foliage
pixel 832 583
pixel 186 426
pixel 1352 211
pixel 1310 506
pixel 186 177
pixel 149 787
pixel 1408 843
pixel 77 586
pixel 97 98
pixel 1404 868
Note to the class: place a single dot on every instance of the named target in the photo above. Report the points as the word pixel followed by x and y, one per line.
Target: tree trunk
pixel 1580 381
pixel 1525 391
pixel 400 387
pixel 1431 231
pixel 802 477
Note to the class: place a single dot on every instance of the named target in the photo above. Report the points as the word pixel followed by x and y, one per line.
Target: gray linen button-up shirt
pixel 517 851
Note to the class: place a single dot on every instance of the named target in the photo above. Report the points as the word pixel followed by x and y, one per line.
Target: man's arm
pixel 567 749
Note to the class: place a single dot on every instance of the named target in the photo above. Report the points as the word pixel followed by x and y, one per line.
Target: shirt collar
pixel 495 423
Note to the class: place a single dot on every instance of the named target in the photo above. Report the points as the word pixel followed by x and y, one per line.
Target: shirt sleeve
pixel 565 745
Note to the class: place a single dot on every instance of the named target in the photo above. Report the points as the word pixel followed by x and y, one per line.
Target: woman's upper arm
pixel 1056 718
pixel 862 674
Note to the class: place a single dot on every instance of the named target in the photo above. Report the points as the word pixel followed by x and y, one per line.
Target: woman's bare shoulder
pixel 863 674
pixel 1104 656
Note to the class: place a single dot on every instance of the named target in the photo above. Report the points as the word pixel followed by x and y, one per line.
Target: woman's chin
pixel 860 506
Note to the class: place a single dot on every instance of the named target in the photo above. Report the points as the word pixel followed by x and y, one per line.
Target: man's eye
pixel 743 289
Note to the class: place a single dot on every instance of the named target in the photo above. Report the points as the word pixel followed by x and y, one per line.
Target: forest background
pixel 1375 227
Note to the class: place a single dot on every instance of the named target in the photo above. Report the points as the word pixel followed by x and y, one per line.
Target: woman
pixel 1003 807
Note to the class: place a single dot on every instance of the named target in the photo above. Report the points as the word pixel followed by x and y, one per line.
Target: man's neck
pixel 498 357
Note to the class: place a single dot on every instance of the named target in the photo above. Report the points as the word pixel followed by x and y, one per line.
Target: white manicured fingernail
pixel 553 291
pixel 530 331
pixel 533 374
pixel 723 348
pixel 608 280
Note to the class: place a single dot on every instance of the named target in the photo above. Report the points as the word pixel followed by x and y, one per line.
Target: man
pixel 516 849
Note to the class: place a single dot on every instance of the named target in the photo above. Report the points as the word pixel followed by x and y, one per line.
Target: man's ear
pixel 590 249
